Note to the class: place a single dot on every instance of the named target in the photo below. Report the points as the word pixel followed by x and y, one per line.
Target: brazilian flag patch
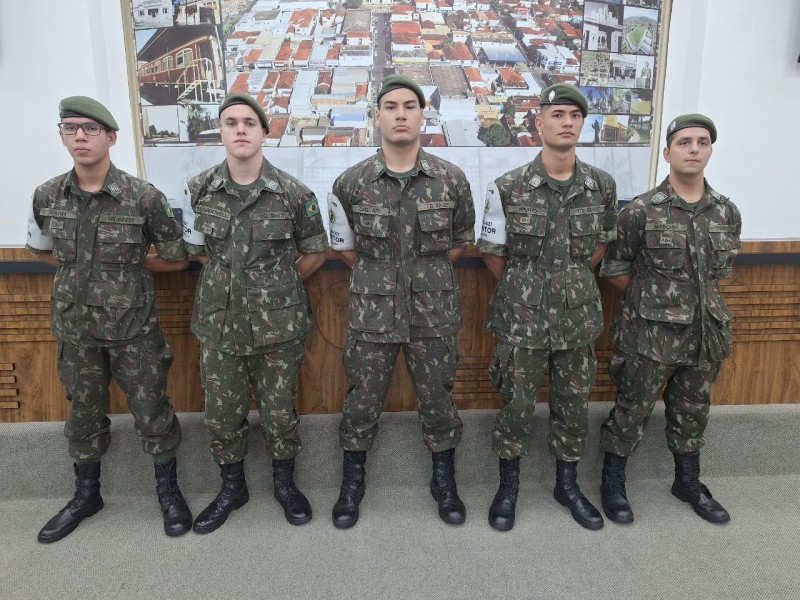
pixel 312 207
pixel 168 208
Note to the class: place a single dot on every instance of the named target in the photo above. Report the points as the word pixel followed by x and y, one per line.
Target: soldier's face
pixel 560 125
pixel 689 151
pixel 399 117
pixel 87 150
pixel 242 132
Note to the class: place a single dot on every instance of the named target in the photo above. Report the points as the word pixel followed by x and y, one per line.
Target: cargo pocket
pixel 583 317
pixel 211 304
pixel 371 225
pixel 526 227
pixel 118 242
pixel 271 232
pixel 585 226
pixel 519 295
pixel 372 297
pixel 665 250
pixel 436 227
pixel 115 309
pixel 720 332
pixel 64 231
pixel 276 314
pixel 434 296
pixel 726 245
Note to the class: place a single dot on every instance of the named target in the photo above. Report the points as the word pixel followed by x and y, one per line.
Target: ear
pixel 538 122
pixel 112 138
pixel 666 153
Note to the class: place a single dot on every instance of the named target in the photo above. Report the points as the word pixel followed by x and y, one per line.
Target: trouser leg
pixel 224 377
pixel 687 400
pixel 517 374
pixel 85 374
pixel 432 364
pixel 273 377
pixel 141 371
pixel 369 368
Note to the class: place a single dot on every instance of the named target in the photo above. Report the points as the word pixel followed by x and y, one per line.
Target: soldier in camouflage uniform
pixel 248 221
pixel 95 224
pixel 400 219
pixel 545 227
pixel 673 330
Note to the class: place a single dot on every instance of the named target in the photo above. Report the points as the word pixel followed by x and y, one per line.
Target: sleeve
pixel 342 236
pixel 194 241
pixel 609 232
pixel 309 230
pixel 736 220
pixel 464 215
pixel 624 248
pixel 161 226
pixel 493 228
pixel 37 242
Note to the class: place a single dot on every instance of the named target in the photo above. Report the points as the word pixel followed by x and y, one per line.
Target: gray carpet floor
pixel 399 548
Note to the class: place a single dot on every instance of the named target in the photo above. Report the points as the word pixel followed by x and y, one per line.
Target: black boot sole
pixel 65 532
pixel 217 524
pixel 703 515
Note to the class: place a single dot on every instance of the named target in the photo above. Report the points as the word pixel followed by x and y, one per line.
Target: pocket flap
pixel 520 285
pixel 272 297
pixel 657 309
pixel 433 276
pixel 114 294
pixel 377 279
pixel 434 219
pixel 277 227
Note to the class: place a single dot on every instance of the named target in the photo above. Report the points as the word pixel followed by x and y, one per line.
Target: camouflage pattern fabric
pixel 273 377
pixel 403 286
pixel 673 328
pixel 140 369
pixel 250 296
pixel 546 308
pixel 548 297
pixel 369 366
pixel 673 311
pixel 517 373
pixel 102 296
pixel 641 382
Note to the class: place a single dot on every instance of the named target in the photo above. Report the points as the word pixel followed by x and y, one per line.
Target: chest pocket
pixel 119 238
pixel 371 225
pixel 436 226
pixel 725 242
pixel 526 227
pixel 212 222
pixel 272 232
pixel 62 226
pixel 585 225
pixel 665 245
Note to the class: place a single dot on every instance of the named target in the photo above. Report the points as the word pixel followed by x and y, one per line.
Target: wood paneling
pixel 765 366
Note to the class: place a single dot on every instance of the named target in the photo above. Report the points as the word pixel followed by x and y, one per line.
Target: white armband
pixel 36 239
pixel 342 236
pixel 190 234
pixel 494 219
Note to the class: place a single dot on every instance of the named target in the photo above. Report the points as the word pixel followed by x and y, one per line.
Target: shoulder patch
pixel 659 198
pixel 312 207
pixel 216 182
pixel 536 181
pixel 591 183
pixel 272 185
pixel 114 189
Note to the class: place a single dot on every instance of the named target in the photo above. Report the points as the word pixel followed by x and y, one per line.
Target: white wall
pixel 734 60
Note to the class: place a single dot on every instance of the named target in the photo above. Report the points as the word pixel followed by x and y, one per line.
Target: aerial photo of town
pixel 316 66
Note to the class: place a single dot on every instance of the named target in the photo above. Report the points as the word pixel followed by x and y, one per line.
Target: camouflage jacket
pixel 673 311
pixel 402 285
pixel 250 296
pixel 102 294
pixel 547 298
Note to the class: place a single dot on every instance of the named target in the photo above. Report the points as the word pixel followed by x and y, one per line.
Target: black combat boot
pixel 612 489
pixel 233 495
pixel 295 504
pixel 345 511
pixel 504 505
pixel 86 502
pixel 688 487
pixel 177 516
pixel 443 488
pixel 569 494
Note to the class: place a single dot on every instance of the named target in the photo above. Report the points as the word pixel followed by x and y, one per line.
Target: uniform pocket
pixel 665 250
pixel 119 243
pixel 434 295
pixel 371 225
pixel 585 225
pixel 64 231
pixel 276 314
pixel 211 304
pixel 116 309
pixel 436 227
pixel 725 243
pixel 372 297
pixel 526 227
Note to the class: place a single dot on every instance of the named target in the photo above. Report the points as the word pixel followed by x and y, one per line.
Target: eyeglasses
pixel 88 128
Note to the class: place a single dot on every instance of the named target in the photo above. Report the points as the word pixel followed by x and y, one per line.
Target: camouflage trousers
pixel 140 369
pixel 227 379
pixel 517 374
pixel 640 383
pixel 369 366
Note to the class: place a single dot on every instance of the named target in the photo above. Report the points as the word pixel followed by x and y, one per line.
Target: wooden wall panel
pixel 765 366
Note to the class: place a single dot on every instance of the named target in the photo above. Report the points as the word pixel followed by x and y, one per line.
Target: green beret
pixel 396 82
pixel 692 120
pixel 83 106
pixel 238 98
pixel 565 93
